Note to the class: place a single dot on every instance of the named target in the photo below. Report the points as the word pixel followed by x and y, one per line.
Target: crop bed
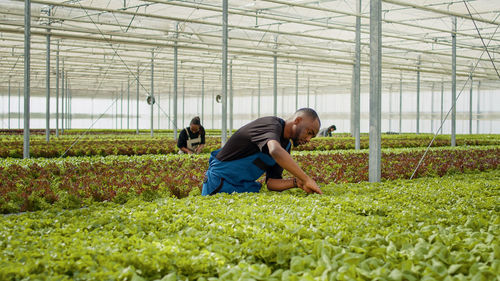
pixel 426 229
pixel 103 145
pixel 36 184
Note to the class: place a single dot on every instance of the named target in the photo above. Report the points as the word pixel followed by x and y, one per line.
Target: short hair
pixel 195 121
pixel 310 113
pixel 333 127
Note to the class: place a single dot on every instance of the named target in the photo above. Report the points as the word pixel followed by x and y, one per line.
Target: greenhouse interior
pixel 128 130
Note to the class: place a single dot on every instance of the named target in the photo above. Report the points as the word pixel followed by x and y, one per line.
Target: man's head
pixel 195 125
pixel 332 128
pixel 305 125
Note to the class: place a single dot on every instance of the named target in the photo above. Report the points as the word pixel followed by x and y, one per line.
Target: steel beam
pixel 470 103
pixel 152 88
pixel 202 96
pixel 8 110
pixel 478 106
pixel 275 85
pixel 296 86
pixel 442 106
pixel 258 97
pixel 356 82
pixel 453 81
pixel 400 102
pixel 432 108
pixel 231 98
pixel 224 71
pixel 57 90
pixel 418 96
pixel 175 82
pixel 375 90
pixel 128 103
pixel 308 91
pixel 47 84
pixel 63 93
pixel 121 106
pixel 137 101
pixel 27 46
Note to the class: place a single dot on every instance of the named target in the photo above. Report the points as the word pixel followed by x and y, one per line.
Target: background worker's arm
pixel 284 159
pixel 199 148
pixel 186 150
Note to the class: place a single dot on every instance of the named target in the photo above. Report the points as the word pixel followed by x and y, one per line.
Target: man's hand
pixel 309 186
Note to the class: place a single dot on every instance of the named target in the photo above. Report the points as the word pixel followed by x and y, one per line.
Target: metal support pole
pixel 202 96
pixel 121 107
pixel 47 84
pixel 128 103
pixel 152 87
pixel 296 86
pixel 92 110
pixel 356 85
pixel 400 102
pixel 158 113
pixel 470 103
pixel 258 98
pixel 432 108
pixel 175 83
pixel 375 89
pixel 27 48
pixel 57 90
pixel 19 105
pixel 63 93
pixel 183 99
pixel 137 102
pixel 275 85
pixel 308 91
pixel 213 109
pixel 231 98
pixel 390 108
pixel 453 81
pixel 478 106
pixel 8 110
pixel 224 70
pixel 418 95
pixel 442 105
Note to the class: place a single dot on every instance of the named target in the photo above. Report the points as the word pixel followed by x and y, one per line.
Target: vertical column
pixel 308 91
pixel 390 108
pixel 453 81
pixel 400 101
pixel 92 111
pixel 432 108
pixel 442 105
pixel 137 102
pixel 183 99
pixel 296 86
pixel 152 88
pixel 175 82
pixel 27 48
pixel 470 102
pixel 158 113
pixel 478 106
pixel 275 85
pixel 47 83
pixel 128 103
pixel 375 89
pixel 8 110
pixel 356 85
pixel 121 107
pixel 258 98
pixel 231 98
pixel 19 105
pixel 213 108
pixel 224 71
pixel 57 90
pixel 418 95
pixel 63 93
pixel 202 96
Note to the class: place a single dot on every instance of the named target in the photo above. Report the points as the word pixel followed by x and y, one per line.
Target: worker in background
pixel 263 146
pixel 327 132
pixel 192 139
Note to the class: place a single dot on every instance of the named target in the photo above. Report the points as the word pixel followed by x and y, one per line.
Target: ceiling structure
pixel 104 45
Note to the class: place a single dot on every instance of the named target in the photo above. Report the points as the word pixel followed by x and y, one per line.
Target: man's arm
pixel 280 184
pixel 284 159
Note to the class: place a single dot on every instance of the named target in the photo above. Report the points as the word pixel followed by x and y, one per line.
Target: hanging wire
pixel 463 87
pixel 115 53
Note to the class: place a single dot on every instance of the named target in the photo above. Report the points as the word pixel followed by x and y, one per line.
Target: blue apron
pixel 237 175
